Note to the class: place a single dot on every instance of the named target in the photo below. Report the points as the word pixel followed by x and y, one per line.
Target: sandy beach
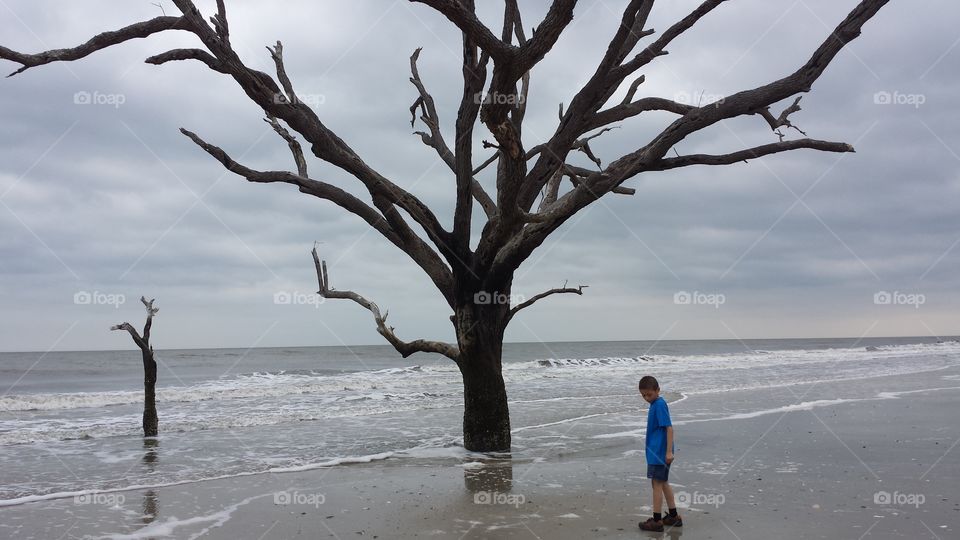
pixel 874 459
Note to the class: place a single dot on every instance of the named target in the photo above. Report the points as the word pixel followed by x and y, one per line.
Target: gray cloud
pixel 104 198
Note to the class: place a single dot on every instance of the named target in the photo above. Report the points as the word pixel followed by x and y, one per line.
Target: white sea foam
pixel 333 462
pixel 23 431
pixel 424 378
pixel 169 526
pixel 558 422
pixel 750 359
pixel 253 385
pixel 803 406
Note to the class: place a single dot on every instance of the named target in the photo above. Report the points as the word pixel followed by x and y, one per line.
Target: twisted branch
pixel 403 347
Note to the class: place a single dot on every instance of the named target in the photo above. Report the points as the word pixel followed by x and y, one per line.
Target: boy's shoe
pixel 651 525
pixel 672 521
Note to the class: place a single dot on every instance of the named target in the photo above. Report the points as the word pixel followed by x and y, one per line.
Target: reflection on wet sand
pixel 151 507
pixel 492 475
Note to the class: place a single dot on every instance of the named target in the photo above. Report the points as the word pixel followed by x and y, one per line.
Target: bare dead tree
pixel 496 77
pixel 149 367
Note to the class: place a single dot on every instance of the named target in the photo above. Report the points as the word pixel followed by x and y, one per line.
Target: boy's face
pixel 649 395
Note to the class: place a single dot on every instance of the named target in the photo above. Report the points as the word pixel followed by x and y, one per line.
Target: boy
pixel 659 456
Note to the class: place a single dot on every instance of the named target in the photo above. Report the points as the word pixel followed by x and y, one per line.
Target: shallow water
pixel 70 421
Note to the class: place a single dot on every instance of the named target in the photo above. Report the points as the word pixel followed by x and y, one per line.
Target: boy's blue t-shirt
pixel 658 418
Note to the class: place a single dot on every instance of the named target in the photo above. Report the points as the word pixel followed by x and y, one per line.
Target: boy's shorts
pixel 658 472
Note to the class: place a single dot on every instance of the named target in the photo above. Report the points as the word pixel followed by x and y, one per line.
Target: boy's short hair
pixel 649 382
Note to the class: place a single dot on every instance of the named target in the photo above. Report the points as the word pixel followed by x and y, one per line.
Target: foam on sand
pixel 804 406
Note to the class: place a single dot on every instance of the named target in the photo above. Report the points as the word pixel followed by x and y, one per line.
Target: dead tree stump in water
pixel 149 368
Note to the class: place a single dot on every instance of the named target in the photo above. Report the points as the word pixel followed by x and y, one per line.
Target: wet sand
pixel 871 458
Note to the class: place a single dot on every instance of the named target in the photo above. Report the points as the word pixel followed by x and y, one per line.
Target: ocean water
pixel 70 421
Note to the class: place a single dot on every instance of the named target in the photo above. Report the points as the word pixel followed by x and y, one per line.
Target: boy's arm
pixel 669 444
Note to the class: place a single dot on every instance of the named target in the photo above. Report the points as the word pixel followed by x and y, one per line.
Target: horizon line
pixel 861 338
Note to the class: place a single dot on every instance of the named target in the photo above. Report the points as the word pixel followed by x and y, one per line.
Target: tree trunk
pixel 486 415
pixel 149 394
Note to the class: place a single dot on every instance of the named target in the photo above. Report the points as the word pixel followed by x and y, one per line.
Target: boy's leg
pixel 655 523
pixel 671 518
pixel 668 495
pixel 657 496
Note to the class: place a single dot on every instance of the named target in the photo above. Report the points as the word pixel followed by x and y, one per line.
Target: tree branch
pixel 609 74
pixel 310 186
pixel 472 27
pixel 531 301
pixel 143 342
pixel 264 91
pixel 656 48
pixel 749 101
pixel 519 246
pixel 220 23
pixel 435 139
pixel 403 347
pixel 633 108
pixel 133 333
pixel 151 311
pixel 750 153
pixel 583 145
pixel 292 142
pixel 98 42
pixel 277 54
pixel 324 143
pixel 474 74
pixel 783 119
pixel 547 33
pixel 189 54
pixel 414 247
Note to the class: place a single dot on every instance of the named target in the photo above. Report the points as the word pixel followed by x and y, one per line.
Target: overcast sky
pixel 105 201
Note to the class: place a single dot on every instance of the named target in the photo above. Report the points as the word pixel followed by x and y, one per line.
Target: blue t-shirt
pixel 658 419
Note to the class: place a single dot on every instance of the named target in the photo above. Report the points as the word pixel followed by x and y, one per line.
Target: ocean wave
pixel 248 385
pixel 435 379
pixel 749 359
pixel 21 431
pixel 587 362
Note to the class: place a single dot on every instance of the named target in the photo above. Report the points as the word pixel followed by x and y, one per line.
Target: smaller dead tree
pixel 149 368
